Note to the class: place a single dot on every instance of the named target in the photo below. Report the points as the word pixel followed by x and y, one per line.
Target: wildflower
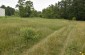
pixel 81 53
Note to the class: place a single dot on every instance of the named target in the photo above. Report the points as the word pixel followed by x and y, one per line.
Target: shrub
pixel 29 34
pixel 74 18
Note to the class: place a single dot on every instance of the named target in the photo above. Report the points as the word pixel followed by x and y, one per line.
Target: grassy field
pixel 37 36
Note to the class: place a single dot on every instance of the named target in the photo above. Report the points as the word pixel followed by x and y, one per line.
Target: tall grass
pixel 66 41
pixel 18 34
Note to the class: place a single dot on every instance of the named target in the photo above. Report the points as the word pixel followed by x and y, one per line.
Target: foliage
pixel 66 9
pixel 29 34
pixel 16 13
pixel 50 12
pixel 25 8
pixel 35 13
pixel 10 11
pixel 74 18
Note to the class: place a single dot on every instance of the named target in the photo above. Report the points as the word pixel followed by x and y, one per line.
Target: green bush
pixel 29 34
pixel 74 18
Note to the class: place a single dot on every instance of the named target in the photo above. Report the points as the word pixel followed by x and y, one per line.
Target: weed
pixel 29 34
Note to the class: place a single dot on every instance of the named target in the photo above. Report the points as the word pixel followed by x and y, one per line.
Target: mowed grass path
pixel 69 40
pixel 37 36
pixel 53 44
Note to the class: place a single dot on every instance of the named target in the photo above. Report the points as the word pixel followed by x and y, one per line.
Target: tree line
pixel 66 9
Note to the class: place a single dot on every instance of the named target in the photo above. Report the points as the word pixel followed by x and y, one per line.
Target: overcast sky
pixel 38 4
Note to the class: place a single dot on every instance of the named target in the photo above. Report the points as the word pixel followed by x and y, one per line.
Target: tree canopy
pixel 66 9
pixel 25 8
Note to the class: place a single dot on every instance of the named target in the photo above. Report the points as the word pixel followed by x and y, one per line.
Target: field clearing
pixel 38 36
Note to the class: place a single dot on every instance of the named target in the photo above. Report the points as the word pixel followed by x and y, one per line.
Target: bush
pixel 29 34
pixel 74 18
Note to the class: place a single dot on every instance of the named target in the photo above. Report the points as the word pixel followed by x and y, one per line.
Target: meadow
pixel 40 36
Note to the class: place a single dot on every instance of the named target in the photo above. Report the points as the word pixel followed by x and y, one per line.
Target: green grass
pixel 38 36
pixel 18 34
